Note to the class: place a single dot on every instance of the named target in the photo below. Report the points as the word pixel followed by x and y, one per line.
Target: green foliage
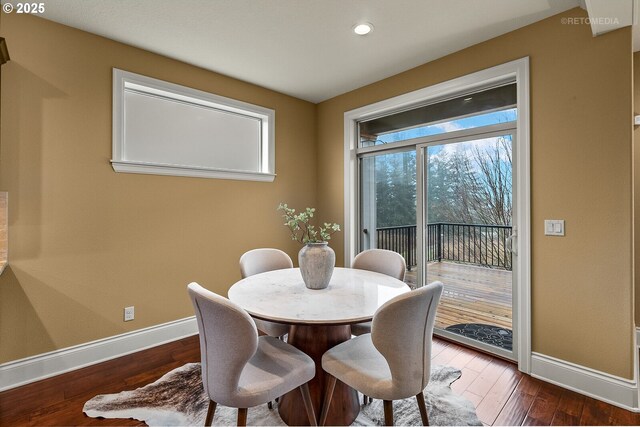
pixel 470 187
pixel 301 229
pixel 395 176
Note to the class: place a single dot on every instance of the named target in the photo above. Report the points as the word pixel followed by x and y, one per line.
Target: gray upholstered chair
pixel 394 360
pixel 258 261
pixel 240 369
pixel 381 261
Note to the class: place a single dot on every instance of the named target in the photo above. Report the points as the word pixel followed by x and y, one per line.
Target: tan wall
pixel 582 308
pixel 86 241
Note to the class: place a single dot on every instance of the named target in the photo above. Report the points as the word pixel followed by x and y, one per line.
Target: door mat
pixel 488 334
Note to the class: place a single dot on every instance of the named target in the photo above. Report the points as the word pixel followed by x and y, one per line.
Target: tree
pixel 472 185
pixel 395 176
pixel 468 183
pixel 494 196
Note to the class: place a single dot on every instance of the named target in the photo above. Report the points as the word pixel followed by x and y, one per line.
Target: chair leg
pixel 388 412
pixel 308 405
pixel 328 395
pixel 364 399
pixel 212 409
pixel 242 416
pixel 423 409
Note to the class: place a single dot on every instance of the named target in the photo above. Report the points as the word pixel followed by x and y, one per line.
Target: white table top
pixel 281 296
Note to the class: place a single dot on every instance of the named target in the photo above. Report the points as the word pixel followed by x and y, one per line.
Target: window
pixel 402 147
pixel 166 129
pixel 484 108
pixel 469 122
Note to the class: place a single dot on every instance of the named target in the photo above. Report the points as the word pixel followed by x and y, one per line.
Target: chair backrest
pixel 402 331
pixel 258 261
pixel 381 261
pixel 228 340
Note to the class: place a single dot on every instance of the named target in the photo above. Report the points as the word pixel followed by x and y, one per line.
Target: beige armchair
pixel 259 261
pixel 239 369
pixel 381 261
pixel 394 360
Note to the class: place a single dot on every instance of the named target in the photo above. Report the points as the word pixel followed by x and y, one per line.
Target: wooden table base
pixel 314 341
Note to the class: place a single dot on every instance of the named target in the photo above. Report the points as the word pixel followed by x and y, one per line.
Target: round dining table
pixel 319 319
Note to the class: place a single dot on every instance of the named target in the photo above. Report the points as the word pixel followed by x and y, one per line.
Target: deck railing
pixel 477 244
pixel 401 240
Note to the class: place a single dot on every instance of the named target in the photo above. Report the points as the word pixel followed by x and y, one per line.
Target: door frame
pixel 518 71
pixel 421 217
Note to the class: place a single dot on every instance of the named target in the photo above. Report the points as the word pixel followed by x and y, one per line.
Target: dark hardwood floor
pixel 501 394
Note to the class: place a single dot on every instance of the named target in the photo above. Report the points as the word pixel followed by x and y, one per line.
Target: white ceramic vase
pixel 316 262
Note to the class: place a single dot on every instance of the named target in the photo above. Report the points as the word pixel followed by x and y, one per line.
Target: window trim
pixel 125 79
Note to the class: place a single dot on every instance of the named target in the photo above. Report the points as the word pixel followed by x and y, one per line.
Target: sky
pixel 453 125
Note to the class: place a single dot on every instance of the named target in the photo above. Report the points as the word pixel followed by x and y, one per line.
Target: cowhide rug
pixel 179 399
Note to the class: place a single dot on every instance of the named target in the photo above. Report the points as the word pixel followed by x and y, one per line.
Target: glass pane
pixel 479 120
pixel 488 107
pixel 388 205
pixel 469 220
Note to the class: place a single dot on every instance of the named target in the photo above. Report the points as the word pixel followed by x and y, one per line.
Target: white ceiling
pixel 304 48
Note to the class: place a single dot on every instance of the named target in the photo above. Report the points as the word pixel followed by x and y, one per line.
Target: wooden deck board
pixel 472 294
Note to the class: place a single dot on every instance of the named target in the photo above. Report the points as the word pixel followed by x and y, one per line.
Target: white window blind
pixel 167 129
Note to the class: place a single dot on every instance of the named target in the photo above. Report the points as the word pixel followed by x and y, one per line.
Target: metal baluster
pixel 499 247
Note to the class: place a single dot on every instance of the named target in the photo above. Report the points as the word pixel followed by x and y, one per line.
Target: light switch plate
pixel 554 227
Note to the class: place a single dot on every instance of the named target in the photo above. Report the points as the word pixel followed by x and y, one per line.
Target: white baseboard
pixel 615 390
pixel 35 368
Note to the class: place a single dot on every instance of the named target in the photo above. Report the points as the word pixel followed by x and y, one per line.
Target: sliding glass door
pixel 388 205
pixel 467 215
pixel 447 206
pixel 441 175
pixel 436 184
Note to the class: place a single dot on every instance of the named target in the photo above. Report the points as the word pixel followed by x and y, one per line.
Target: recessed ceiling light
pixel 363 29
pixel 468 99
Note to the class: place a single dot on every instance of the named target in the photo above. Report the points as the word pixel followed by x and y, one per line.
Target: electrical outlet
pixel 129 313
